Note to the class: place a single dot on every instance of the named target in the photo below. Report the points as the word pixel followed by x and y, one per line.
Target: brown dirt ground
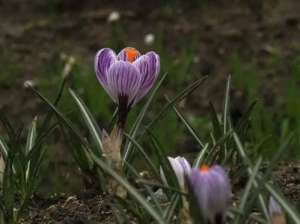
pixel 90 207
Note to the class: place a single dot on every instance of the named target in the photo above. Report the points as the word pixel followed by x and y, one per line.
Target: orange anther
pixel 204 168
pixel 131 54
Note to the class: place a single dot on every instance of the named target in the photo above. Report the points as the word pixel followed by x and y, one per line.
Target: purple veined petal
pixel 212 190
pixel 103 61
pixel 149 67
pixel 123 79
pixel 128 51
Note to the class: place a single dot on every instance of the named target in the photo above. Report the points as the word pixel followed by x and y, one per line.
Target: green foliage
pixel 21 166
pixel 271 124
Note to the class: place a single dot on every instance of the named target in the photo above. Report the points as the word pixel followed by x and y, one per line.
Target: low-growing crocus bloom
pixel 181 168
pixel 211 187
pixel 276 213
pixel 128 76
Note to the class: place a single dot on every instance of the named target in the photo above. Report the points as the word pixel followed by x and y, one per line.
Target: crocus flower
pixel 211 187
pixel 128 76
pixel 181 168
pixel 276 213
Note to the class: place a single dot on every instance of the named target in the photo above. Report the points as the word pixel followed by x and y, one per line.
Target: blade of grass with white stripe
pixel 31 137
pixel 226 105
pixel 131 190
pixel 250 171
pixel 200 157
pixel 180 96
pixel 169 213
pixel 139 119
pixel 90 122
pixel 226 117
pixel 216 123
pixel 148 189
pixel 4 147
pixel 247 191
pixel 284 203
pixel 187 124
pixel 144 154
pixel 61 117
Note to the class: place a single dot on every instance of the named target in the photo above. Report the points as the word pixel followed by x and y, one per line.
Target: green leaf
pixel 139 119
pixel 90 122
pixel 131 190
pixel 188 126
pixel 31 137
pixel 144 154
pixel 62 118
pixel 247 191
pixel 180 96
pixel 284 203
pixel 200 157
pixel 248 163
pixel 4 147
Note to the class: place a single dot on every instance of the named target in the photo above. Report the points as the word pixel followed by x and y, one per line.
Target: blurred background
pixel 257 42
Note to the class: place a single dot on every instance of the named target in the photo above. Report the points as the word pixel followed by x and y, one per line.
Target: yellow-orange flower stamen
pixel 204 169
pixel 131 54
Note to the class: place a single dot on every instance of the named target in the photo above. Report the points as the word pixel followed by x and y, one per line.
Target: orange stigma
pixel 204 168
pixel 131 54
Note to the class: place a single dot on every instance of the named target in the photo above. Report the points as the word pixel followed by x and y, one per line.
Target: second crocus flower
pixel 181 168
pixel 211 187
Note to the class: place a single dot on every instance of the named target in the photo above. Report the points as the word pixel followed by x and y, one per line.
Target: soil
pixel 34 33
pixel 90 207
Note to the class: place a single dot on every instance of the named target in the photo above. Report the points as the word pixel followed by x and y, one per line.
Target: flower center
pixel 131 54
pixel 204 169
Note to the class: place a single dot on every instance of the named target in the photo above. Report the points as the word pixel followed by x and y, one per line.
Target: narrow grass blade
pixel 31 137
pixel 138 121
pixel 8 126
pixel 284 203
pixel 200 157
pixel 226 105
pixel 250 171
pixel 144 154
pixel 131 190
pixel 164 162
pixel 247 191
pixel 188 126
pixel 170 212
pixel 90 122
pixel 4 148
pixel 62 118
pixel 49 115
pixel 181 95
pixel 217 126
pixel 148 189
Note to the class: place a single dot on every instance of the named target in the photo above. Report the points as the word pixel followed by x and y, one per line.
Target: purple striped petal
pixel 212 190
pixel 123 55
pixel 123 81
pixel 103 60
pixel 149 67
